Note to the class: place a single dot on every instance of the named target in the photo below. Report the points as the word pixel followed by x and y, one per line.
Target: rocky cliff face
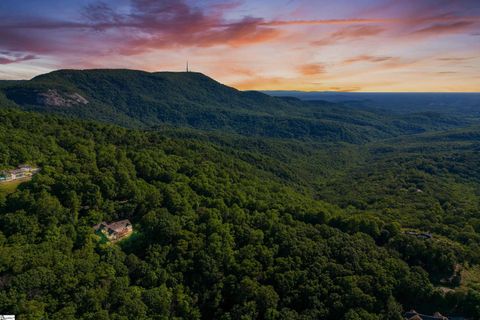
pixel 54 98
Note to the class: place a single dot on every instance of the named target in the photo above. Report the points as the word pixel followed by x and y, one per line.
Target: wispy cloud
pixel 368 58
pixel 350 32
pixel 7 58
pixel 325 22
pixel 444 28
pixel 455 59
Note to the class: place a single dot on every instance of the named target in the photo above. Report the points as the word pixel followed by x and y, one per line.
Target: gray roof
pixel 119 225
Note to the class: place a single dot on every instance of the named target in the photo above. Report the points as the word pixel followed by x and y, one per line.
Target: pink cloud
pixel 158 25
pixel 350 32
pixel 444 28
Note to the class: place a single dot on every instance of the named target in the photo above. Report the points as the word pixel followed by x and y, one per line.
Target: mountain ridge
pixel 147 100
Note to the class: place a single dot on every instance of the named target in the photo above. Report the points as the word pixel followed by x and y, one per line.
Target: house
pixel 21 172
pixel 26 167
pixel 413 315
pixel 18 174
pixel 115 230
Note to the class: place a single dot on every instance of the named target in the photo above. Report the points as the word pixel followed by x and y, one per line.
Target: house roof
pixel 119 225
pixel 20 169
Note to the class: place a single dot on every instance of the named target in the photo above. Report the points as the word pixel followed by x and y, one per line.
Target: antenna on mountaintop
pixel 187 67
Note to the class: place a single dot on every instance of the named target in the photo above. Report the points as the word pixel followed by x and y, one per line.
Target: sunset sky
pixel 361 45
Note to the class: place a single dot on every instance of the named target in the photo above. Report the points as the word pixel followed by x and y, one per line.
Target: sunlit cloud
pixel 311 69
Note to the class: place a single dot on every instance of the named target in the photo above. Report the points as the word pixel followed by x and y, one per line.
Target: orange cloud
pixel 262 83
pixel 311 69
pixel 282 83
pixel 244 32
pixel 344 89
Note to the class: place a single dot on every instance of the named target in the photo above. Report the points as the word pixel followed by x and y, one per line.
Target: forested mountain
pixel 244 206
pixel 139 99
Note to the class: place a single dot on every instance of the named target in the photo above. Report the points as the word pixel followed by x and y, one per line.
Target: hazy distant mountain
pixel 401 102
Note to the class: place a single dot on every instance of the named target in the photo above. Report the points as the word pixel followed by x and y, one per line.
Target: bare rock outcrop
pixel 54 98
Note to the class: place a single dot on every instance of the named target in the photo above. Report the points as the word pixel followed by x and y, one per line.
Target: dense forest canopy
pixel 244 206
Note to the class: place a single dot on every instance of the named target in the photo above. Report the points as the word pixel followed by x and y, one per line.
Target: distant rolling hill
pixel 399 102
pixel 187 99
